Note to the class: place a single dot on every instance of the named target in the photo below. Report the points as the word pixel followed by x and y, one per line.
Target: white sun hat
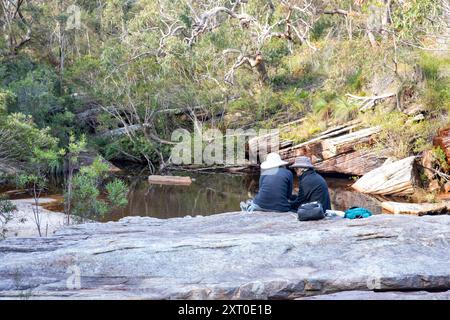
pixel 273 160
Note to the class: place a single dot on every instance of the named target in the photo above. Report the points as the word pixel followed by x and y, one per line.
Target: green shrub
pixel 275 51
pixel 6 99
pixel 20 138
pixel 355 80
pixel 407 18
pixel 86 192
pixel 292 99
pixel 400 137
pixel 313 124
pixel 343 110
pixel 36 95
pixel 441 158
pixel 241 104
pixel 136 150
pixel 6 210
pixel 320 27
pixel 436 95
pixel 323 102
pixel 117 192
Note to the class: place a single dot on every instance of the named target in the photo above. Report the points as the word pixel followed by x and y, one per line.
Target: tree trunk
pixel 69 193
pixel 386 18
pixel 262 71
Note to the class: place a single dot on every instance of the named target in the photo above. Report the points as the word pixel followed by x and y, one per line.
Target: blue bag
pixel 357 213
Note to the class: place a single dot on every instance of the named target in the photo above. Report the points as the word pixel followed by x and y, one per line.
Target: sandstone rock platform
pixel 229 256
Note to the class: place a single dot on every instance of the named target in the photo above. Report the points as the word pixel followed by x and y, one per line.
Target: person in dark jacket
pixel 275 186
pixel 312 186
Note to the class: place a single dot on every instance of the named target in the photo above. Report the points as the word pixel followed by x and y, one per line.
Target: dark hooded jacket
pixel 312 188
pixel 275 190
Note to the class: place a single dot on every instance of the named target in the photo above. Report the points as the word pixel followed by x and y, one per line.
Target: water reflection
pixel 218 193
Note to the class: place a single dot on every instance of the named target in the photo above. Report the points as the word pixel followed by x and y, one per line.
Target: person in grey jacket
pixel 312 186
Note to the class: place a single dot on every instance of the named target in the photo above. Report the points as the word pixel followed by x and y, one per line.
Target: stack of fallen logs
pixel 340 149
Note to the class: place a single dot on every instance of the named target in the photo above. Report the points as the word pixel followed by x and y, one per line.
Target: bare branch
pixel 367 103
pixel 253 61
pixel 203 21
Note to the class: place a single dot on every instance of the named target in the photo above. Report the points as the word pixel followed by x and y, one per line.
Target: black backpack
pixel 311 212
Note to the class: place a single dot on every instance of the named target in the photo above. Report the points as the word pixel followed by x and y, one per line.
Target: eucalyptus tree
pixel 15 25
pixel 154 59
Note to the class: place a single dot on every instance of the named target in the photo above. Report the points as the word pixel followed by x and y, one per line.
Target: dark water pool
pixel 218 193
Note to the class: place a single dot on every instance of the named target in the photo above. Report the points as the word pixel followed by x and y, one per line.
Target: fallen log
pixel 121 131
pixel 419 209
pixel 396 179
pixel 356 163
pixel 268 139
pixel 346 143
pixel 170 180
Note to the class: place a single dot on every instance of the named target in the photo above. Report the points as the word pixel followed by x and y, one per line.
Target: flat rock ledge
pixel 389 295
pixel 231 256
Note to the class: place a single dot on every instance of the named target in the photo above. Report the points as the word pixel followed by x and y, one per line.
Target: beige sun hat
pixel 273 160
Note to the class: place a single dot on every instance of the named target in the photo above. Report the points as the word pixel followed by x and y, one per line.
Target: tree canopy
pixel 129 72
